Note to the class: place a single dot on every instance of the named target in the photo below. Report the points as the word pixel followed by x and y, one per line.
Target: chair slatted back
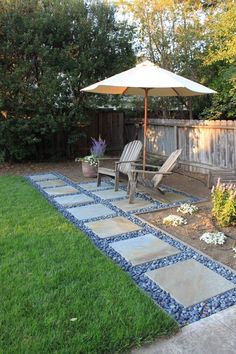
pixel 131 152
pixel 168 166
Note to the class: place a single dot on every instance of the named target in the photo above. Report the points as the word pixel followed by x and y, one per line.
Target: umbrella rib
pixel 177 94
pixel 124 91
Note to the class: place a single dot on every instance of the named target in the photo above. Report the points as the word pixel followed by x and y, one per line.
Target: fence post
pixel 176 140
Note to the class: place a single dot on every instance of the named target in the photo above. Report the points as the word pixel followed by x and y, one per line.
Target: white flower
pixel 174 220
pixel 92 160
pixel 187 208
pixel 73 319
pixel 217 238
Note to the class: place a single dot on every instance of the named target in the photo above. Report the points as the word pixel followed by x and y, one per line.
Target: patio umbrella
pixel 147 79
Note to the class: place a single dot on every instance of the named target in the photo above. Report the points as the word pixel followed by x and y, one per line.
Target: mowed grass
pixel 50 272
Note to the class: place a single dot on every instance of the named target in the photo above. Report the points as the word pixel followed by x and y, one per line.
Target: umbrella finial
pixel 145 63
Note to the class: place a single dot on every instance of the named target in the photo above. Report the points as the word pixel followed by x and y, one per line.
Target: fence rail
pixel 205 144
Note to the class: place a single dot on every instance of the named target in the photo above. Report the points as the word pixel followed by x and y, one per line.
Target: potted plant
pixel 90 162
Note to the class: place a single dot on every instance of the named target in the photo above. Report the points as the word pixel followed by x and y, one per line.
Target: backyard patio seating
pixel 129 155
pixel 139 175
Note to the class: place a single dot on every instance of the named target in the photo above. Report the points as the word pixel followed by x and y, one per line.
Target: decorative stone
pixel 143 249
pixel 93 186
pixel 69 200
pixel 171 197
pixel 190 282
pixel 61 190
pixel 51 183
pixel 112 227
pixel 43 177
pixel 138 204
pixel 110 194
pixel 90 211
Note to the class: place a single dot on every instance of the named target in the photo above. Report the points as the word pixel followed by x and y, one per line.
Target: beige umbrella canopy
pixel 147 79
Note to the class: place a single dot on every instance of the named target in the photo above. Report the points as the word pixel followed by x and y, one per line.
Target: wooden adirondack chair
pixel 163 170
pixel 129 155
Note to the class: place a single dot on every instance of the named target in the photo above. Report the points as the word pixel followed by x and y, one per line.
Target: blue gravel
pixel 162 298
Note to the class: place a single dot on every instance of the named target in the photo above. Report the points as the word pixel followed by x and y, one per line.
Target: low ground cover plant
pixel 174 220
pixel 224 203
pixel 215 238
pixel 187 208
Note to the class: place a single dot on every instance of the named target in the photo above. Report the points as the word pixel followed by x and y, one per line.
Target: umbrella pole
pixel 145 128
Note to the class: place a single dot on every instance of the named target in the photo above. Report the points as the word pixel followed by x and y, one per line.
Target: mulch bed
pixel 198 224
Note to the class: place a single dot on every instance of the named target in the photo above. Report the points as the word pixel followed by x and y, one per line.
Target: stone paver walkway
pixel 184 283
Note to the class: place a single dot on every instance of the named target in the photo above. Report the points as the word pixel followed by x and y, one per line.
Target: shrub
pixel 49 51
pixel 224 203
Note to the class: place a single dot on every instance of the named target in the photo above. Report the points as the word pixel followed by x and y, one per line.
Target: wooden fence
pixel 206 144
pixel 108 124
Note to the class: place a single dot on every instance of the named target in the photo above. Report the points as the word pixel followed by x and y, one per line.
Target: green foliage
pixel 224 102
pixel 49 51
pixel 220 57
pixel 195 39
pixel 224 203
pixel 50 273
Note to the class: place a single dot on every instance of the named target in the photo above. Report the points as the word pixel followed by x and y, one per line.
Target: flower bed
pixel 198 223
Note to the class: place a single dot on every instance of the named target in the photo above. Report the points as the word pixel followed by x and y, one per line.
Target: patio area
pixel 157 262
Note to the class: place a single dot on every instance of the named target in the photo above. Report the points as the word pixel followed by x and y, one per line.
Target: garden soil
pixel 198 224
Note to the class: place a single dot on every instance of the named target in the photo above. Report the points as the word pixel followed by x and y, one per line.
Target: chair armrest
pixel 119 162
pixel 151 172
pixel 108 158
pixel 140 164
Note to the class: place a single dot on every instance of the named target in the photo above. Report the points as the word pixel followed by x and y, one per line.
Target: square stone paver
pixel 90 211
pixel 93 186
pixel 51 183
pixel 137 204
pixel 61 190
pixel 69 200
pixel 190 282
pixel 166 197
pixel 143 249
pixel 111 194
pixel 44 177
pixel 169 197
pixel 112 227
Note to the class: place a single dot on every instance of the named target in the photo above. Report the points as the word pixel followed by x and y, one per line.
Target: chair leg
pixel 116 181
pixel 162 192
pixel 132 191
pixel 99 179
pixel 128 186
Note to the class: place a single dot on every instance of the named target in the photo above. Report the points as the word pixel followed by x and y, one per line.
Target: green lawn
pixel 50 272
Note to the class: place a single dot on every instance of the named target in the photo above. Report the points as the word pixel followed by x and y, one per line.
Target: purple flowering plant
pixel 97 150
pixel 98 147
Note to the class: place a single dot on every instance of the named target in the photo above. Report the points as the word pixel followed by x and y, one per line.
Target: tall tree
pixel 221 59
pixel 171 33
pixel 50 49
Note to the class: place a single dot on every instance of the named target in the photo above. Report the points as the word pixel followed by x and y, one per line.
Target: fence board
pixel 205 144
